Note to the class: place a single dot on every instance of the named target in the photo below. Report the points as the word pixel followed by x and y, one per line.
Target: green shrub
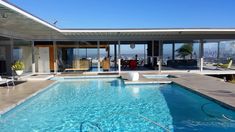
pixel 185 50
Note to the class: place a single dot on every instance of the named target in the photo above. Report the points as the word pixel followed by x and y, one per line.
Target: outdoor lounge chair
pixel 7 81
pixel 227 65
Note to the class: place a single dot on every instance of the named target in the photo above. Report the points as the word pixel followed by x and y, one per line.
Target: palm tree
pixel 185 50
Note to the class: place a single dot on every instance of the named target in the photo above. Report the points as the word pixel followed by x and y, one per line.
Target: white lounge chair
pixel 7 81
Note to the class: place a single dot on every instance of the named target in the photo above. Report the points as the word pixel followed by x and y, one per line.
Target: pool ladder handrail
pixel 213 116
pixel 145 118
pixel 154 122
pixel 91 123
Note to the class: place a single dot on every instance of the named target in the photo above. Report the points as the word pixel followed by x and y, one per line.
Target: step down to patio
pixel 145 82
pixel 108 73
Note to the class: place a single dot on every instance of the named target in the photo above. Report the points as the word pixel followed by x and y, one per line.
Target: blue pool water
pixel 107 105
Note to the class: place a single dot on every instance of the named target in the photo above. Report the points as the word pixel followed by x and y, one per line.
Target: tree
pixel 185 50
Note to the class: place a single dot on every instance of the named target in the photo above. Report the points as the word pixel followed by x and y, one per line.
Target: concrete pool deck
pixel 13 96
pixel 210 87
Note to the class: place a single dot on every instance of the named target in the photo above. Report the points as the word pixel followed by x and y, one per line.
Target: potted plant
pixel 18 67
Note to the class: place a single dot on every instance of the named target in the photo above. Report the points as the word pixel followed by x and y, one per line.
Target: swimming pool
pixel 108 105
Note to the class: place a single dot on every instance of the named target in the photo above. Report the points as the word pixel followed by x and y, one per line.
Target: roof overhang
pixel 149 34
pixel 17 23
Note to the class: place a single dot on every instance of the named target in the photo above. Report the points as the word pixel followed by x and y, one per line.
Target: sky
pixel 133 13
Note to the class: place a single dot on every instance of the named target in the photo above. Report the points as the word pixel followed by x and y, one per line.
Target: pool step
pixel 145 82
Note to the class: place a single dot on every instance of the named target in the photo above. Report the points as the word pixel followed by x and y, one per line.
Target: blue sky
pixel 133 13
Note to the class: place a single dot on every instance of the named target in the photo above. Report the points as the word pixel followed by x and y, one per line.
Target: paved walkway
pixel 11 97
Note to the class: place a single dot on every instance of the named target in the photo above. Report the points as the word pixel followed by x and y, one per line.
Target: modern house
pixel 45 48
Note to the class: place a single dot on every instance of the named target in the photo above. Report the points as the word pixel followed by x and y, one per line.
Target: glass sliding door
pixel 218 54
pixel 113 55
pixel 12 50
pixel 180 55
pixel 77 56
pixel 3 57
pixel 22 51
pixel 67 56
pixel 134 56
pixel 226 51
pixel 88 55
pixel 168 54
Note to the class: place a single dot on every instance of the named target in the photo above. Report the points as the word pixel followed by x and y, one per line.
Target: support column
pixel 173 51
pixel 108 50
pixel 115 56
pixel 201 54
pixel 119 56
pixel 144 54
pixel 10 57
pixel 218 51
pixel 98 54
pixel 33 59
pixel 160 56
pixel 12 48
pixel 119 49
pixel 55 57
pixel 152 53
pixel 77 46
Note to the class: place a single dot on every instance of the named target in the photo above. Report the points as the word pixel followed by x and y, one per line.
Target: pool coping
pixel 187 85
pixel 167 81
pixel 86 77
pixel 221 103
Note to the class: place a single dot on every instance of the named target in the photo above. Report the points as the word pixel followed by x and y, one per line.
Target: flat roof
pixel 21 22
pixel 149 30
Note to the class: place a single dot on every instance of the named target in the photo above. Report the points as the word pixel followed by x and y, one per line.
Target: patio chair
pixel 124 63
pixel 106 64
pixel 7 81
pixel 133 64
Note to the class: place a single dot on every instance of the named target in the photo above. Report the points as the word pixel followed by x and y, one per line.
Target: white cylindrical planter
pixel 133 76
pixel 19 72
